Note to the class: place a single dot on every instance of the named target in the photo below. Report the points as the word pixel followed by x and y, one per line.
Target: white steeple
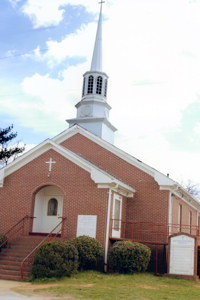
pixel 97 54
pixel 93 109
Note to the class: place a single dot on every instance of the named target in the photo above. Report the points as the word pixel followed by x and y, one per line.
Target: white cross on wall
pixel 50 163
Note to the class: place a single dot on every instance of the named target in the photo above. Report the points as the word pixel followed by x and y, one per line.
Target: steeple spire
pixel 97 53
pixel 93 109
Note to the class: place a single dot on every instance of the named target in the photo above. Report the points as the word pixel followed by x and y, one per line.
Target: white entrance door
pixel 52 211
pixel 117 212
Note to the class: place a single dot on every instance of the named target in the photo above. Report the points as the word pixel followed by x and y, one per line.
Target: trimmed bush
pixel 90 252
pixel 127 257
pixel 55 259
pixel 2 239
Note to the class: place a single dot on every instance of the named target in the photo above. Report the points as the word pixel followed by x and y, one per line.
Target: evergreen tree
pixel 6 153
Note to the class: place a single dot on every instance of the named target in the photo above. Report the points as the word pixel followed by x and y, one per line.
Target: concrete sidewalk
pixel 6 292
pixel 16 298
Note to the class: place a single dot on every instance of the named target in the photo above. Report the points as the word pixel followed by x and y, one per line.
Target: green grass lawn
pixel 95 285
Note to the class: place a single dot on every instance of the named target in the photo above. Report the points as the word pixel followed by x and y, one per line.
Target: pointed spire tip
pixel 97 53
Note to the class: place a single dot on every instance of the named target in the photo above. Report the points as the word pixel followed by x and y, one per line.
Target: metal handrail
pixel 29 258
pixel 16 230
pixel 151 231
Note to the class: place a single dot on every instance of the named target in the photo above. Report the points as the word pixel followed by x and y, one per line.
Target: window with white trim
pixel 99 85
pixel 105 88
pixel 90 84
pixel 179 217
pixel 190 222
pixel 83 92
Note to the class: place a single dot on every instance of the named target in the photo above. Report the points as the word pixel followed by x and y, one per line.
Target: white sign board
pixel 87 225
pixel 182 250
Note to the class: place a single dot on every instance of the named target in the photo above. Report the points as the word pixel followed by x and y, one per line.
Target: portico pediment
pixel 100 177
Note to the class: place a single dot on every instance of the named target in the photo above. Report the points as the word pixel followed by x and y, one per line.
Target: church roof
pixel 103 178
pixel 100 167
pixel 164 182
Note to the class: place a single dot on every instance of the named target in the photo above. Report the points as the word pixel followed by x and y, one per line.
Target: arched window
pixel 99 85
pixel 83 93
pixel 52 207
pixel 105 88
pixel 90 84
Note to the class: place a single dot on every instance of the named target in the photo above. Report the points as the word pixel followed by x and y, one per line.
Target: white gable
pixel 100 177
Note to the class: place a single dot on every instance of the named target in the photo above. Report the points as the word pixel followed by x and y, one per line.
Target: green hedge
pixel 90 252
pixel 127 257
pixel 55 259
pixel 2 239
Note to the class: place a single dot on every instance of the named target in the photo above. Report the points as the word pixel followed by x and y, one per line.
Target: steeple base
pixel 98 126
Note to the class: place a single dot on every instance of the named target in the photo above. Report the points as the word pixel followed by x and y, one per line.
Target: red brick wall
pixel 81 195
pixel 185 215
pixel 149 203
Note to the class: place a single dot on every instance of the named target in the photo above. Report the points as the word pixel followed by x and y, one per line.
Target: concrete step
pixel 11 258
pixel 13 267
pixel 15 254
pixel 15 272
pixel 28 243
pixel 9 262
pixel 10 277
pixel 16 249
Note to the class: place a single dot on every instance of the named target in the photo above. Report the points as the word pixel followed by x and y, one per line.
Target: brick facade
pixel 186 211
pixel 149 203
pixel 82 196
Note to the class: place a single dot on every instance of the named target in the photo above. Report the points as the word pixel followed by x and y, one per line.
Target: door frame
pixel 117 233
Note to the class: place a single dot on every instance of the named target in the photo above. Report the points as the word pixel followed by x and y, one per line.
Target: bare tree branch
pixel 192 188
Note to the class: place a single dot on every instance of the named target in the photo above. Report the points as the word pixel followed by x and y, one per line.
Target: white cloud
pixel 78 44
pixel 140 45
pixel 50 12
pixel 44 13
pixel 151 54
pixel 14 2
pixel 52 98
pixel 197 128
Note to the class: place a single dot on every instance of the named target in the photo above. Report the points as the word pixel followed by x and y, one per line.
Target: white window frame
pixel 117 232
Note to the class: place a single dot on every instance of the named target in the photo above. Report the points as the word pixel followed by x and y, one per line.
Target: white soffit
pixel 1 177
pixel 163 180
pixel 106 181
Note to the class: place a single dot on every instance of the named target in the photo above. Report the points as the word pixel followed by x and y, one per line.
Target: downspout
pixel 107 230
pixel 170 213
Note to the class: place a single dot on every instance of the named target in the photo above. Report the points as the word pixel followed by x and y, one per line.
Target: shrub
pixel 198 267
pixel 127 257
pixel 90 252
pixel 2 239
pixel 55 259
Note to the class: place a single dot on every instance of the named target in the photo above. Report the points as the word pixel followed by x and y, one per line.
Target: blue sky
pixel 151 53
pixel 19 38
